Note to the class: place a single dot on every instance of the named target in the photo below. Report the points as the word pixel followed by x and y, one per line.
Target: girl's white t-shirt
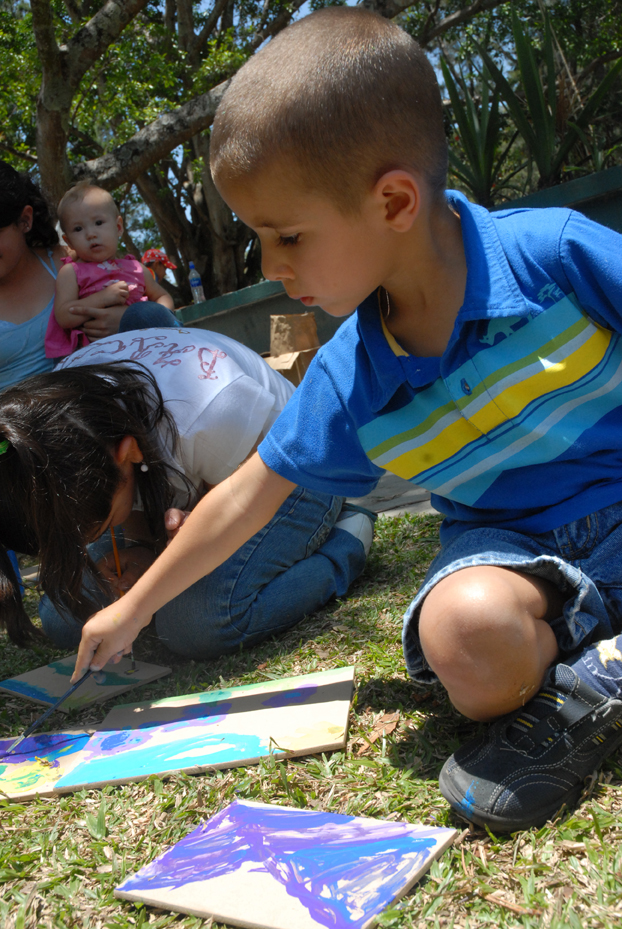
pixel 222 395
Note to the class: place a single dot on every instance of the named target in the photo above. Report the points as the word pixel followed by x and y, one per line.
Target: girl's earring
pixel 144 466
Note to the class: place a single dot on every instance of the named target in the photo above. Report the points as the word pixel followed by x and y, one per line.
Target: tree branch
pixel 104 28
pixel 208 27
pixel 25 156
pixel 392 8
pixel 455 19
pixel 43 27
pixel 278 23
pixel 127 162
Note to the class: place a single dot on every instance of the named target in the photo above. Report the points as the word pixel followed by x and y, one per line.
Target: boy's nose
pixel 274 268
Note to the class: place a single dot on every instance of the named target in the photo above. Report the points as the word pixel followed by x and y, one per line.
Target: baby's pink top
pixel 92 277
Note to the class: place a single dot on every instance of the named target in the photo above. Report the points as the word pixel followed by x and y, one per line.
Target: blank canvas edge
pixel 442 846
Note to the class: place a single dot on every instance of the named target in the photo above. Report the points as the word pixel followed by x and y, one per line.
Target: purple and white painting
pixel 272 867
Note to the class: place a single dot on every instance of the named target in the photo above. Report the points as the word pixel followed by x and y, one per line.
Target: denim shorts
pixel 583 559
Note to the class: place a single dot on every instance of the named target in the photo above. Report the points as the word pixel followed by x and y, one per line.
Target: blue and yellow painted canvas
pixel 45 685
pixel 272 867
pixel 217 729
pixel 38 762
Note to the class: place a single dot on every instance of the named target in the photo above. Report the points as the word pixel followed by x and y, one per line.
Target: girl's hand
pixel 108 635
pixel 134 562
pixel 173 521
pixel 114 293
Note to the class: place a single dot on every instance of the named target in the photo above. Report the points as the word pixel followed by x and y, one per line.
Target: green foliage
pixel 538 110
pixel 483 136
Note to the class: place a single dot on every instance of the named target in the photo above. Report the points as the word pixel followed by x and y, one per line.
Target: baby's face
pixel 92 228
pixel 322 256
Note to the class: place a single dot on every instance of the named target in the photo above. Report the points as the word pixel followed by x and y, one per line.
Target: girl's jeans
pixel 288 570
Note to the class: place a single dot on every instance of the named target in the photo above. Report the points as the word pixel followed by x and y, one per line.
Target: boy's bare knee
pixel 483 634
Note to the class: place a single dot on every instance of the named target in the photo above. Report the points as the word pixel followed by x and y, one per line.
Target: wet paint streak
pixel 343 869
pixel 37 759
pixel 129 753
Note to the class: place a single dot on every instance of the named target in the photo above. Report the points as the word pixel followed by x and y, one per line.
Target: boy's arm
pixel 220 523
pixel 155 292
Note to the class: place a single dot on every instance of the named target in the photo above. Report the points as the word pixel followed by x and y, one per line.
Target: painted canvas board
pixel 217 729
pixel 270 867
pixel 45 685
pixel 38 762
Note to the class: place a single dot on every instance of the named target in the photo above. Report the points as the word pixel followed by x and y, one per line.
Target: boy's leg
pixel 485 631
pixel 287 571
pixel 533 761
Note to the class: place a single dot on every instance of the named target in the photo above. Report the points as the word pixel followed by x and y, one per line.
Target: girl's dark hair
pixel 18 191
pixel 58 475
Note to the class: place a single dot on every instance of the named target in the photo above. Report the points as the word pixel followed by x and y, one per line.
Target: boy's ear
pixel 399 194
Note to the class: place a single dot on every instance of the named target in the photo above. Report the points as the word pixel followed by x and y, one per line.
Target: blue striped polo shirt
pixel 519 423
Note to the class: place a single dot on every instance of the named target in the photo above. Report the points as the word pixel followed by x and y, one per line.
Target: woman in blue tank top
pixel 29 261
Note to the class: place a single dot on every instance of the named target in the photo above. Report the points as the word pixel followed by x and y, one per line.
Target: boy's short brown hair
pixel 344 96
pixel 77 194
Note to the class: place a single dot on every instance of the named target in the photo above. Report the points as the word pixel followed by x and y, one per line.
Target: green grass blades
pixel 60 859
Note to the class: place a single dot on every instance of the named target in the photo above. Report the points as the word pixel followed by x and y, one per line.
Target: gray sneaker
pixel 533 761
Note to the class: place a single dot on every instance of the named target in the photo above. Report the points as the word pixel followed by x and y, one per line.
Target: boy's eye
pixel 289 239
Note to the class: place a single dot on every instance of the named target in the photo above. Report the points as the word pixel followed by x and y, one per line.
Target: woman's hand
pixel 173 521
pixel 107 636
pixel 99 322
pixel 134 562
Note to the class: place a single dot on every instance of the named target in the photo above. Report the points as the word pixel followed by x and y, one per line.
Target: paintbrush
pixel 117 562
pixel 47 713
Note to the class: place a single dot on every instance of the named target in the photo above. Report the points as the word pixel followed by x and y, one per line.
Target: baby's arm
pixel 220 523
pixel 157 293
pixel 66 294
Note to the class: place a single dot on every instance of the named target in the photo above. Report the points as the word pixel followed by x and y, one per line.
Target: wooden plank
pixel 217 729
pixel 45 685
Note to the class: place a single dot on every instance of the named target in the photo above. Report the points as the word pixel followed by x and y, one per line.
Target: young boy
pixel 484 363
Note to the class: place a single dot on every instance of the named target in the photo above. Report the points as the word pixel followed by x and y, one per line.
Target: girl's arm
pixel 219 524
pixel 155 292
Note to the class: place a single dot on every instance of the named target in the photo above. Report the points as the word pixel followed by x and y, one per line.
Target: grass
pixel 61 858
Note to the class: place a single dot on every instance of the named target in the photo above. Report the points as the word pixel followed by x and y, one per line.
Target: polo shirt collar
pixel 491 291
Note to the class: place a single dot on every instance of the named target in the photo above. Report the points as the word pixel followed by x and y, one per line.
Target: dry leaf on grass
pixel 382 726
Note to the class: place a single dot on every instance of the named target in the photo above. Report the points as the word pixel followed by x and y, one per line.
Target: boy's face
pixel 323 257
pixel 92 228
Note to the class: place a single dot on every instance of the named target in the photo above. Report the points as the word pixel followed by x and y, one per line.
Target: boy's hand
pixel 134 562
pixel 107 636
pixel 99 322
pixel 173 521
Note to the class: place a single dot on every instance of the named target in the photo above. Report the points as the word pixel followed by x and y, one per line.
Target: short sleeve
pixel 591 258
pixel 314 441
pixel 226 430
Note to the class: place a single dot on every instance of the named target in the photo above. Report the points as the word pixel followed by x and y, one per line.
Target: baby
pixel 95 278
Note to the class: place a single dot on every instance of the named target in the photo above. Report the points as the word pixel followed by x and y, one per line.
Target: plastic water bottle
pixel 195 284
